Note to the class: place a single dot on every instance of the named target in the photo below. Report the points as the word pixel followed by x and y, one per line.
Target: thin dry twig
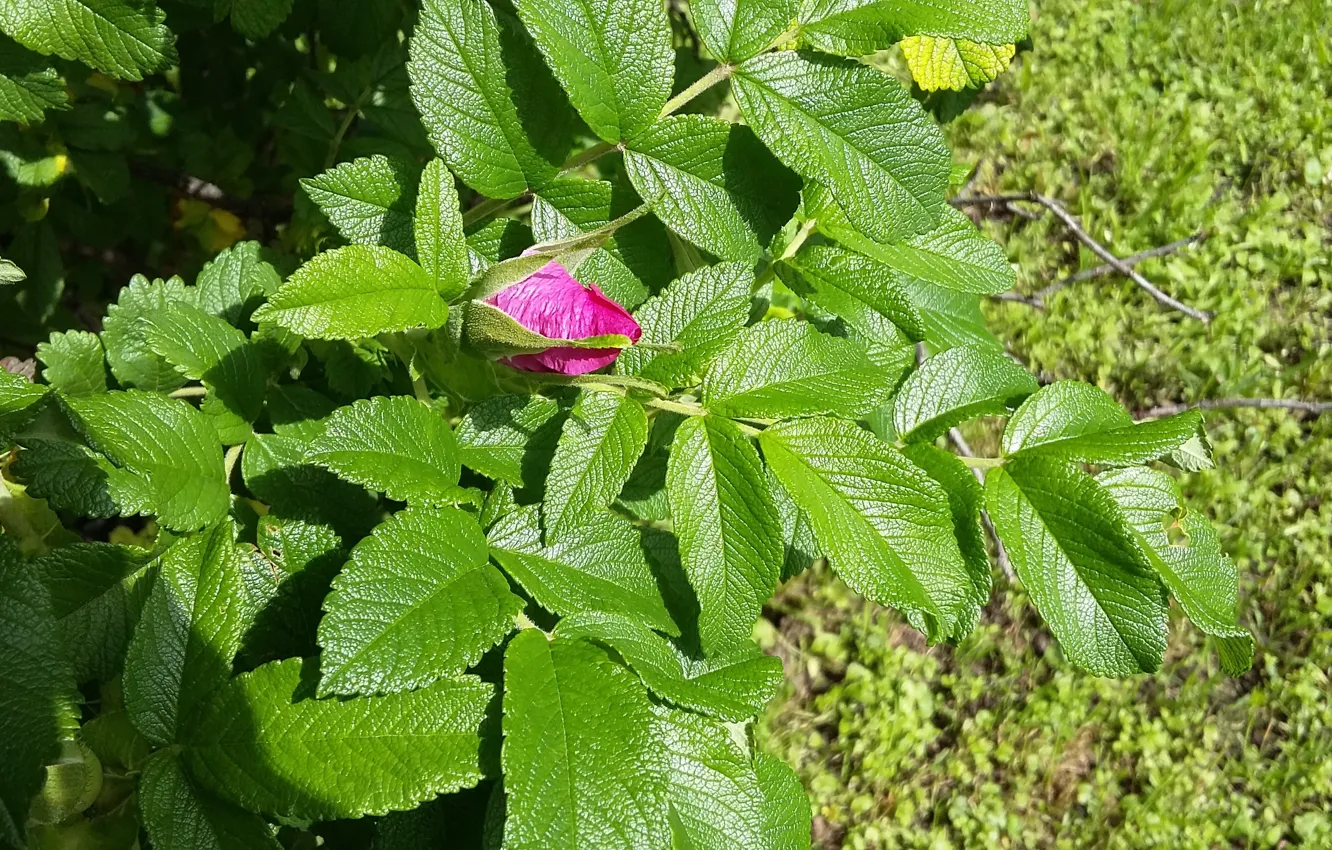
pixel 1071 222
pixel 1315 407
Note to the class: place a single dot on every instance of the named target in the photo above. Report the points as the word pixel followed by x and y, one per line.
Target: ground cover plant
pixel 1154 122
pixel 444 509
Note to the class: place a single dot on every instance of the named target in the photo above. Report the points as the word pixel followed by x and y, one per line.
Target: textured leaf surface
pixel 132 361
pixel 846 284
pixel 713 183
pixel 394 444
pixel 168 456
pixel 732 686
pixel 1073 421
pixel 884 524
pixel 600 565
pixel 613 57
pixel 784 368
pixel 441 247
pixel 729 529
pixel 355 292
pixel 1071 546
pixel 191 628
pixel 599 444
pixel 127 40
pixel 69 476
pixel 702 312
pixel 235 282
pixel 35 684
pixel 954 63
pixel 459 85
pixel 954 386
pixel 276 471
pixel 966 496
pixel 417 602
pixel 28 84
pixel 735 30
pixel 208 349
pixel 722 798
pixel 263 742
pixel 862 27
pixel 1194 569
pixel 853 129
pixel 19 402
pixel 180 816
pixel 582 770
pixel 97 591
pixel 369 200
pixel 75 362
pixel 510 438
pixel 951 318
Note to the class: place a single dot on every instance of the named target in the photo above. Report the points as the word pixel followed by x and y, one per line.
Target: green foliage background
pixel 1153 120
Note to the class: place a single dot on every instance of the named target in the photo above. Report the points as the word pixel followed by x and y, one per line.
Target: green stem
pixel 190 392
pixel 682 407
pixel 229 462
pixel 486 208
pixel 784 39
pixel 590 155
pixel 420 389
pixel 981 462
pixel 702 84
pixel 347 121
pixel 787 253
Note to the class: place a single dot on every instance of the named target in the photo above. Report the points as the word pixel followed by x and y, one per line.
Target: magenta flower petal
pixel 551 303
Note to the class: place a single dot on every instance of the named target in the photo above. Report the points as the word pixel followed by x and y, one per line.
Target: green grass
pixel 1151 120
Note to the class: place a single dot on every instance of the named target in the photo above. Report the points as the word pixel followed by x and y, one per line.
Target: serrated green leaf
pixel 884 524
pixel 69 476
pixel 1195 569
pixel 702 313
pixel 510 438
pixel 735 30
pixel 965 498
pixel 168 457
pixel 28 85
pixel 417 602
pixel 801 549
pixel 636 259
pixel 263 742
pixel 1071 546
pixel 1194 454
pixel 395 445
pixel 942 63
pixel 298 411
pixel 10 272
pixel 495 241
pixel 713 183
pixel 1073 421
pixel 862 27
pixel 276 472
pixel 853 129
pixel 356 292
pixel 955 386
pixel 951 318
pixel 720 796
pixel 255 19
pixel 954 255
pixel 75 362
pixel 208 349
pixel 599 444
pixel 132 361
pixel 20 401
pixel 599 565
pixel 125 39
pixel 612 57
pixel 566 789
pixel 459 85
pixel 235 282
pixel 178 815
pixel 729 530
pixel 97 591
pixel 732 686
pixel 847 284
pixel 438 227
pixel 189 633
pixel 783 368
pixel 369 200
pixel 35 688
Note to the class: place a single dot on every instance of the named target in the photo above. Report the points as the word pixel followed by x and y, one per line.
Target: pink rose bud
pixel 551 303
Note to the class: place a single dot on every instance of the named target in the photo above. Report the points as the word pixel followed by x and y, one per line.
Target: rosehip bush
pixel 460 515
